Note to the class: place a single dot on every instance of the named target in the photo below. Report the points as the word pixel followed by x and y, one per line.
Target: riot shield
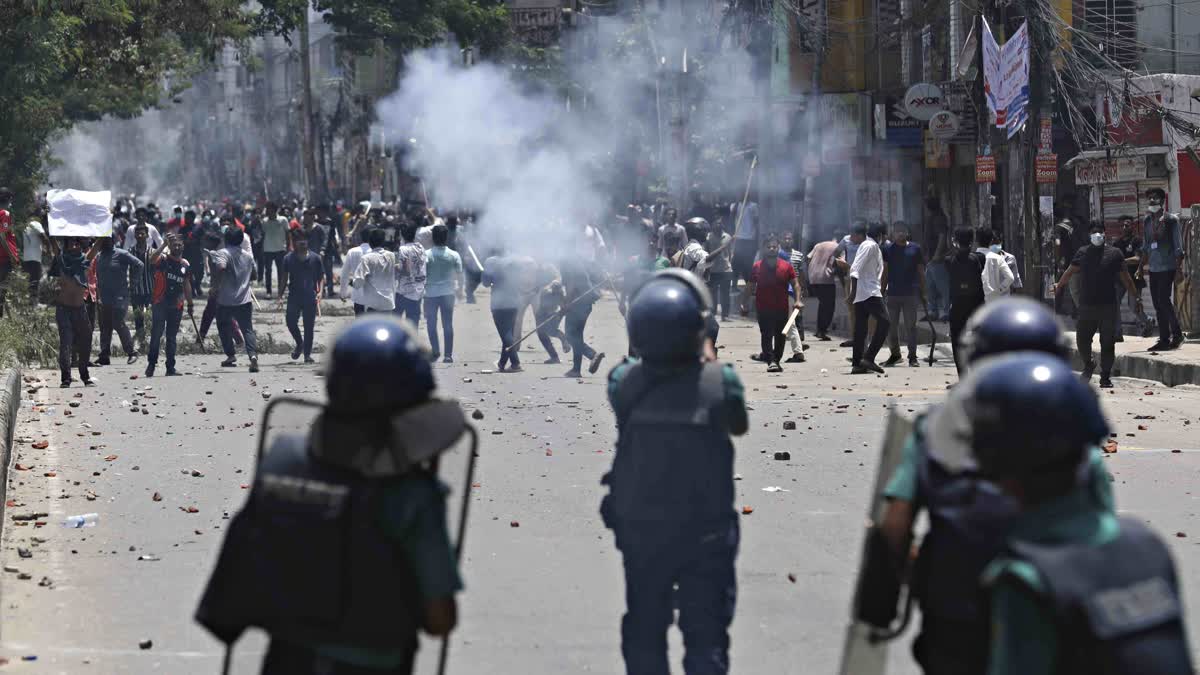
pixel 865 648
pixel 455 468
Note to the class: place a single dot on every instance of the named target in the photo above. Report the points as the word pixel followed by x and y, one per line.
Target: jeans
pixel 359 310
pixel 1162 286
pixel 296 308
pixel 903 306
pixel 504 320
pixel 577 318
pixel 140 305
pixel 243 315
pixel 328 262
pixel 770 331
pixel 684 566
pixel 720 285
pixel 408 309
pixel 872 307
pixel 1091 319
pixel 112 316
pixel 164 319
pixel 275 259
pixel 550 330
pixel 824 293
pixel 960 311
pixel 74 334
pixel 937 279
pixel 257 251
pixel 445 305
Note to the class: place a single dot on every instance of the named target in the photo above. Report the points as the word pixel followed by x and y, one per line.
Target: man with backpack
pixel 966 285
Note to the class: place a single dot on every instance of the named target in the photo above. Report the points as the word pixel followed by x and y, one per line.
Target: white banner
pixel 1006 78
pixel 77 213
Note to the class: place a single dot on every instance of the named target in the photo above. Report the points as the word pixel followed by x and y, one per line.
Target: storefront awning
pixel 1118 152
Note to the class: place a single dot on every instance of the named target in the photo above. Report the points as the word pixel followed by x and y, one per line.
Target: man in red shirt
pixel 769 283
pixel 9 257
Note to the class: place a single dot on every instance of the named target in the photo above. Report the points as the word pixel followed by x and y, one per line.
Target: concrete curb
pixel 10 403
pixel 1147 367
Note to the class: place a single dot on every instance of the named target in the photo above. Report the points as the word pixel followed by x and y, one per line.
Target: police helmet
pixel 377 366
pixel 1011 325
pixel 1030 414
pixel 668 316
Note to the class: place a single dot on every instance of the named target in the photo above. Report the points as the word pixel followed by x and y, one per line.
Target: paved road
pixel 544 597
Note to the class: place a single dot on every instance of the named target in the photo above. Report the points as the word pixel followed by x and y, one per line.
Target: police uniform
pixel 671 509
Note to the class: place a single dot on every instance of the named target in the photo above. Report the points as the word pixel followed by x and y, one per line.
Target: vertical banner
pixel 1014 59
pixel 991 74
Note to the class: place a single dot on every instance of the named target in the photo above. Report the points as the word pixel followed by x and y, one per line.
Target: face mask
pixel 995 248
pixel 1155 208
pixel 1097 239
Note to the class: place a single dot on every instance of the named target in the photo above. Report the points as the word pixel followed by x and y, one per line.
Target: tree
pixel 73 60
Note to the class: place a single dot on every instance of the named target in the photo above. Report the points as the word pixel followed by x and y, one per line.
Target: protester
pixel 672 237
pixel 375 275
pixel 465 242
pixel 1011 261
pixel 155 238
pixel 693 255
pixel 171 289
pixel 235 266
pixel 113 268
pixel 821 276
pixel 769 285
pixel 997 275
pixel 843 259
pixel 937 275
pixel 506 299
pixel 194 237
pixel 70 315
pixel 140 283
pixel 1130 247
pixel 8 247
pixel 353 260
pixel 1162 254
pixel 33 240
pixel 719 256
pixel 792 255
pixel 745 247
pixel 548 314
pixel 866 275
pixel 411 275
pixel 965 267
pixel 301 281
pixel 329 252
pixel 581 292
pixel 903 286
pixel 1102 268
pixel 274 244
pixel 444 278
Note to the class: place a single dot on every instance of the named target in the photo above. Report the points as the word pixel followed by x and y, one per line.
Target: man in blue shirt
pixel 903 284
pixel 113 266
pixel 1162 252
pixel 443 275
pixel 300 280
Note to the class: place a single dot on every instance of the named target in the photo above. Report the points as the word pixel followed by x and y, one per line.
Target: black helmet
pixel 377 366
pixel 1012 325
pixel 668 316
pixel 1030 414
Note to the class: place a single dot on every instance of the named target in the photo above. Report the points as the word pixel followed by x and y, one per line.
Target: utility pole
pixel 812 108
pixel 310 161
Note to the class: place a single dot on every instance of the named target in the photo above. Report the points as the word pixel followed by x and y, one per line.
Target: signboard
pixel 1047 168
pixel 1119 170
pixel 77 213
pixel 943 125
pixel 1046 135
pixel 1006 78
pixel 924 100
pixel 901 129
pixel 958 101
pixel 937 153
pixel 985 169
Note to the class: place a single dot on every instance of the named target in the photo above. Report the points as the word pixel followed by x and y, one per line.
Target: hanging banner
pixel 1006 78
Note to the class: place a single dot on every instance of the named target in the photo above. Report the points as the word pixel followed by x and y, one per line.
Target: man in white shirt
pixel 353 258
pixel 376 276
pixel 997 276
pixel 155 239
pixel 866 278
pixel 32 242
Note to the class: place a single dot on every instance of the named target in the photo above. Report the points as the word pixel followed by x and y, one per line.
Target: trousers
pixel 295 309
pixel 577 318
pixel 770 332
pixel 720 285
pixel 1093 318
pixel 243 316
pixel 443 305
pixel 164 320
pixel 824 293
pixel 550 330
pixel 872 307
pixel 504 320
pixel 273 259
pixel 685 566
pixel 74 334
pixel 285 658
pixel 408 309
pixel 937 279
pixel 903 312
pixel 1162 286
pixel 112 317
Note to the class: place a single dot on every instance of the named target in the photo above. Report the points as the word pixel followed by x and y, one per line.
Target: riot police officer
pixel 341 552
pixel 671 495
pixel 968 517
pixel 1078 590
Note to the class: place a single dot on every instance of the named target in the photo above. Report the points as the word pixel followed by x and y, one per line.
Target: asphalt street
pixel 165 461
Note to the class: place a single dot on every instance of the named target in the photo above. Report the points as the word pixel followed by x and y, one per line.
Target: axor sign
pixel 923 101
